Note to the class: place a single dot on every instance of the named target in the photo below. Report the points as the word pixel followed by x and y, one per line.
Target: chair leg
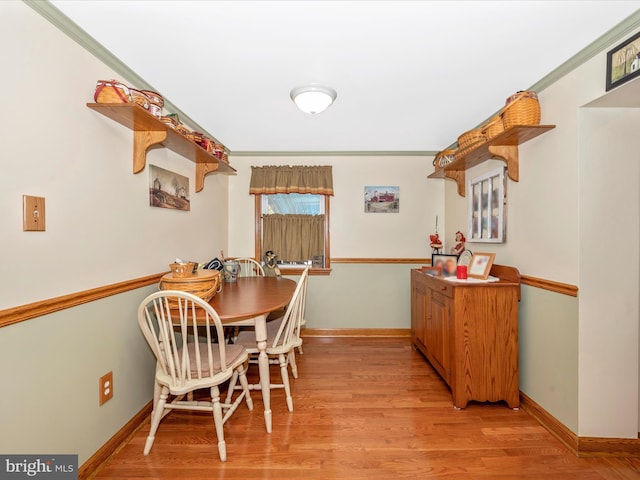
pixel 284 372
pixel 232 386
pixel 156 416
pixel 292 361
pixel 217 420
pixel 242 375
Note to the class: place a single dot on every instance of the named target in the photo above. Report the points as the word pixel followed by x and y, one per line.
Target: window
pixel 292 214
pixel 283 216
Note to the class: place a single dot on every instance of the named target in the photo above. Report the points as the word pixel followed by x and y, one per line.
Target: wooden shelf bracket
pixel 143 141
pixel 508 153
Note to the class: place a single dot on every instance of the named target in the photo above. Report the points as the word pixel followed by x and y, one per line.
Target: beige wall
pixel 575 208
pixel 100 230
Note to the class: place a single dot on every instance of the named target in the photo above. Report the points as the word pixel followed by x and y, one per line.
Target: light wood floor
pixel 364 408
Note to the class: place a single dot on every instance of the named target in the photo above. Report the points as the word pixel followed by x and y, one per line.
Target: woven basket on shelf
pixel 111 91
pixel 203 284
pixel 471 137
pixel 522 108
pixel 156 102
pixel 183 130
pixel 493 127
pixel 139 98
pixel 445 157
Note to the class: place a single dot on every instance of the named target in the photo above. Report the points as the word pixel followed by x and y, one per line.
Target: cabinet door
pixel 437 334
pixel 418 311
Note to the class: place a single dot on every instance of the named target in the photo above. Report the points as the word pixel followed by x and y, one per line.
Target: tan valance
pixel 317 180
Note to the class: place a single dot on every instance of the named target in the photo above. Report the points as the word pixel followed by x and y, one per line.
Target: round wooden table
pixel 248 301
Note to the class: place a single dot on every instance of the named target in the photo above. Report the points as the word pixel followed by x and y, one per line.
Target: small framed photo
pixel 433 271
pixel 623 62
pixel 481 265
pixel 448 264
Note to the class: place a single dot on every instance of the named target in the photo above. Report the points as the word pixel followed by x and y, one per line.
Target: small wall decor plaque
pixel 168 189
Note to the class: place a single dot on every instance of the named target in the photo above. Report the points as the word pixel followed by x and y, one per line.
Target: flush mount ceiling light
pixel 313 98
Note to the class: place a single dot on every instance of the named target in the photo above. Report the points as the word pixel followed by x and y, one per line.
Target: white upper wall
pixel 100 227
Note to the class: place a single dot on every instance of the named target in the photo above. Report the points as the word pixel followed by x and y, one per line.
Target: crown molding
pixel 73 31
pixel 48 11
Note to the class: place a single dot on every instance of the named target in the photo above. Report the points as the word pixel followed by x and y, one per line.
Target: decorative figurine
pixel 459 247
pixel 270 265
pixel 434 240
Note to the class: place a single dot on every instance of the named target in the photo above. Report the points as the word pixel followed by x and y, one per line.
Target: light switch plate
pixel 33 217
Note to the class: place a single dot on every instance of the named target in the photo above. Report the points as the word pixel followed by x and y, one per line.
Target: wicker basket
pixel 182 129
pixel 445 157
pixel 203 284
pixel 522 108
pixel 471 137
pixel 139 98
pixel 182 270
pixel 111 91
pixel 494 127
pixel 156 102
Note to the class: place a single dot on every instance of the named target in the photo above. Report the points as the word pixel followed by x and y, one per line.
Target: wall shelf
pixel 149 132
pixel 503 146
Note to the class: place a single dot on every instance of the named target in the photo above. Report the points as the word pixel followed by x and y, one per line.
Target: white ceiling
pixel 410 75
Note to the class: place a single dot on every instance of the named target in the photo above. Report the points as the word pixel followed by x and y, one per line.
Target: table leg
pixel 263 365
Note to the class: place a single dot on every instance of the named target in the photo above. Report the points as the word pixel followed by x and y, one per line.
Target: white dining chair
pixel 249 267
pixel 283 336
pixel 186 336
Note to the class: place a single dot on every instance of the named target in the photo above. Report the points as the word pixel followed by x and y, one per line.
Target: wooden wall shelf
pixel 149 132
pixel 503 146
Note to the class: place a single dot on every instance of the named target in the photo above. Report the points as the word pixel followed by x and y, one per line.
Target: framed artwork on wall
pixel 168 189
pixel 623 62
pixel 385 199
pixel 487 207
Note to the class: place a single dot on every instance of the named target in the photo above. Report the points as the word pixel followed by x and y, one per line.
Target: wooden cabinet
pixel 469 334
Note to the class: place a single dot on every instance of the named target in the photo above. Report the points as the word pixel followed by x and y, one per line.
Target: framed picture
pixel 168 189
pixel 447 264
pixel 487 207
pixel 435 271
pixel 481 265
pixel 382 199
pixel 623 62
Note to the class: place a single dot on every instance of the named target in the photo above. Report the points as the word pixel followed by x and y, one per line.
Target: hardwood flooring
pixel 364 408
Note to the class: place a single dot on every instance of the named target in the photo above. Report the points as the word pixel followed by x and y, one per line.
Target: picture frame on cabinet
pixel 446 263
pixel 623 62
pixel 480 265
pixel 487 205
pixel 433 271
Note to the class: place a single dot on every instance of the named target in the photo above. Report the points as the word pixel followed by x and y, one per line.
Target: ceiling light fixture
pixel 313 98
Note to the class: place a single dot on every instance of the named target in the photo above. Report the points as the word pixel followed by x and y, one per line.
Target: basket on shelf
pixel 170 121
pixel 493 127
pixel 522 108
pixel 156 102
pixel 111 91
pixel 471 137
pixel 183 130
pixel 445 157
pixel 203 283
pixel 139 98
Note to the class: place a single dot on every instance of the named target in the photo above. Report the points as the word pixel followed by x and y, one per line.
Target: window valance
pixel 268 180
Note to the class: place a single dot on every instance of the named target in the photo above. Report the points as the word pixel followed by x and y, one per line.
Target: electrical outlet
pixel 106 387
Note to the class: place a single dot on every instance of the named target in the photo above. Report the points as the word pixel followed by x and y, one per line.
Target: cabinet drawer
pixel 442 287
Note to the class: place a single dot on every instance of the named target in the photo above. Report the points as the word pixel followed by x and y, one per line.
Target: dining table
pixel 248 301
